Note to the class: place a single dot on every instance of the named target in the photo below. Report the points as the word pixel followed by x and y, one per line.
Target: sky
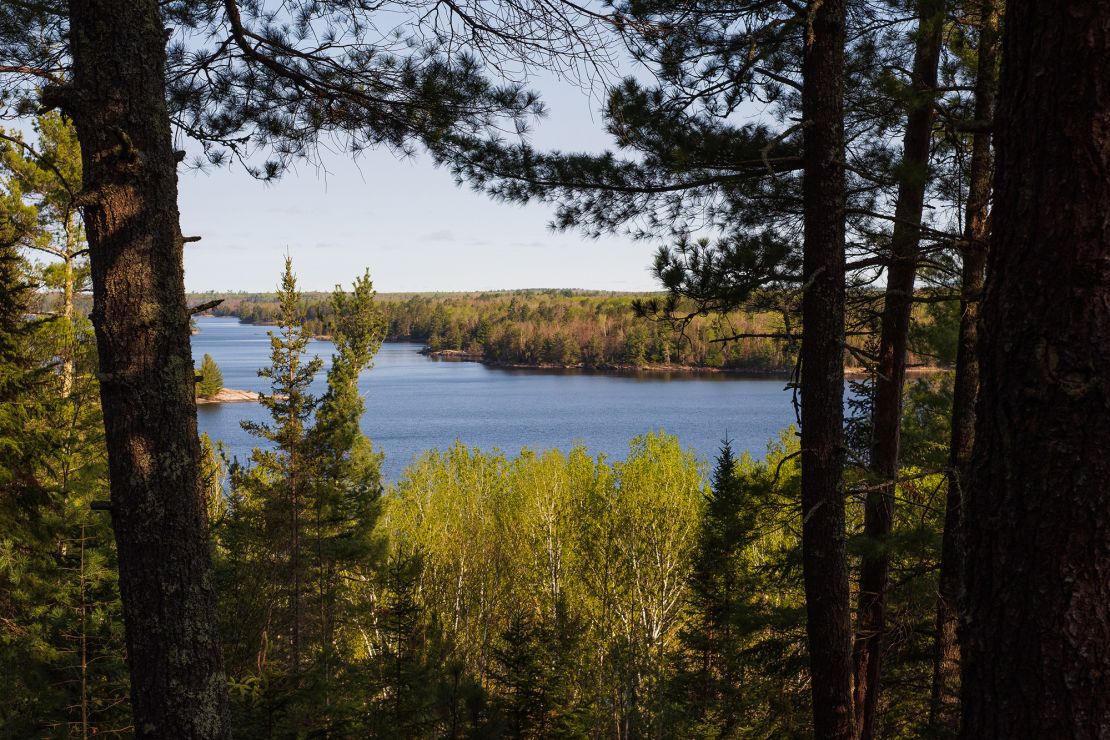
pixel 405 220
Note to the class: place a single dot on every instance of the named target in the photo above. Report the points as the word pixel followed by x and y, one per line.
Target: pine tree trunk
pixel 295 544
pixel 825 567
pixel 1037 647
pixel 890 375
pixel 944 709
pixel 84 641
pixel 117 101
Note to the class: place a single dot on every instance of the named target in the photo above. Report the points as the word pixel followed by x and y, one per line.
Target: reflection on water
pixel 414 403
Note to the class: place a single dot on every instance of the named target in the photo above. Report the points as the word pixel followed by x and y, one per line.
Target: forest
pixel 828 184
pixel 590 330
pixel 552 593
pixel 555 328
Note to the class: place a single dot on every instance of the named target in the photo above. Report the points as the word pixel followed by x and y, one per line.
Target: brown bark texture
pixel 890 373
pixel 1037 640
pixel 117 102
pixel 944 706
pixel 824 560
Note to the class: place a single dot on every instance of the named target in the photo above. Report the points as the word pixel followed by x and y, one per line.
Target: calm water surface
pixel 414 403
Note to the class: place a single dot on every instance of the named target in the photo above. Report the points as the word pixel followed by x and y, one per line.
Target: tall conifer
pixel 291 405
pixel 1037 630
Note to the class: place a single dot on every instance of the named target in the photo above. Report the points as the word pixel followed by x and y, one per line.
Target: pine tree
pixel 821 355
pixel 1037 637
pixel 405 680
pixel 737 668
pixel 944 705
pixel 536 687
pixel 344 495
pixel 27 443
pixel 419 689
pixel 712 677
pixel 890 372
pixel 147 390
pixel 63 658
pixel 211 380
pixel 297 547
pixel 47 174
pixel 291 405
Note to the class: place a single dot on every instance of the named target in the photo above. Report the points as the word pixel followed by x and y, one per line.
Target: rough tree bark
pixel 129 203
pixel 824 560
pixel 1037 640
pixel 890 374
pixel 944 706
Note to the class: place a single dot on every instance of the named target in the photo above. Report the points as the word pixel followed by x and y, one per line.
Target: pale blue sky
pixel 405 220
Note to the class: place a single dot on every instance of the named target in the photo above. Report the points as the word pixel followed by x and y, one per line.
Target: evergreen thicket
pixel 61 631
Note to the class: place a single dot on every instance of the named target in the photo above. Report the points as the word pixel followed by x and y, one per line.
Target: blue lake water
pixel 414 403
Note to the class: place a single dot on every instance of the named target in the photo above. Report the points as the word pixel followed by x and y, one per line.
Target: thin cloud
pixel 444 235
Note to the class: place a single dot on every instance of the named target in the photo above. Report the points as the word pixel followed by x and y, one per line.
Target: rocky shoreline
pixel 458 355
pixel 229 395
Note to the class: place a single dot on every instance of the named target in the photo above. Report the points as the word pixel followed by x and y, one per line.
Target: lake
pixel 414 403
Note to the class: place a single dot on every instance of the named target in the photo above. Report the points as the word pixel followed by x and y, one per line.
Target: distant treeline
pixel 553 327
pixel 589 329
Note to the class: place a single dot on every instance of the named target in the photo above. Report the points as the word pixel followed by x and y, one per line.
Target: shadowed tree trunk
pixel 129 203
pixel 890 375
pixel 1037 640
pixel 944 707
pixel 828 608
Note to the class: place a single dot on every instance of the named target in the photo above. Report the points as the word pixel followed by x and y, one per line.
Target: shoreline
pixel 456 355
pixel 229 395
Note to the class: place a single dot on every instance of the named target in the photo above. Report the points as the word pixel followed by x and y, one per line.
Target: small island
pixel 210 385
pixel 228 395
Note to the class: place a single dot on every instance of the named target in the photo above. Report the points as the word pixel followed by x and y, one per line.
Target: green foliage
pixel 42 179
pixel 213 473
pixel 547 595
pixel 712 675
pixel 46 174
pixel 295 545
pixel 417 688
pixel 566 551
pixel 327 70
pixel 210 380
pixel 741 670
pixel 926 422
pixel 290 404
pixel 914 550
pixel 936 332
pixel 61 645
